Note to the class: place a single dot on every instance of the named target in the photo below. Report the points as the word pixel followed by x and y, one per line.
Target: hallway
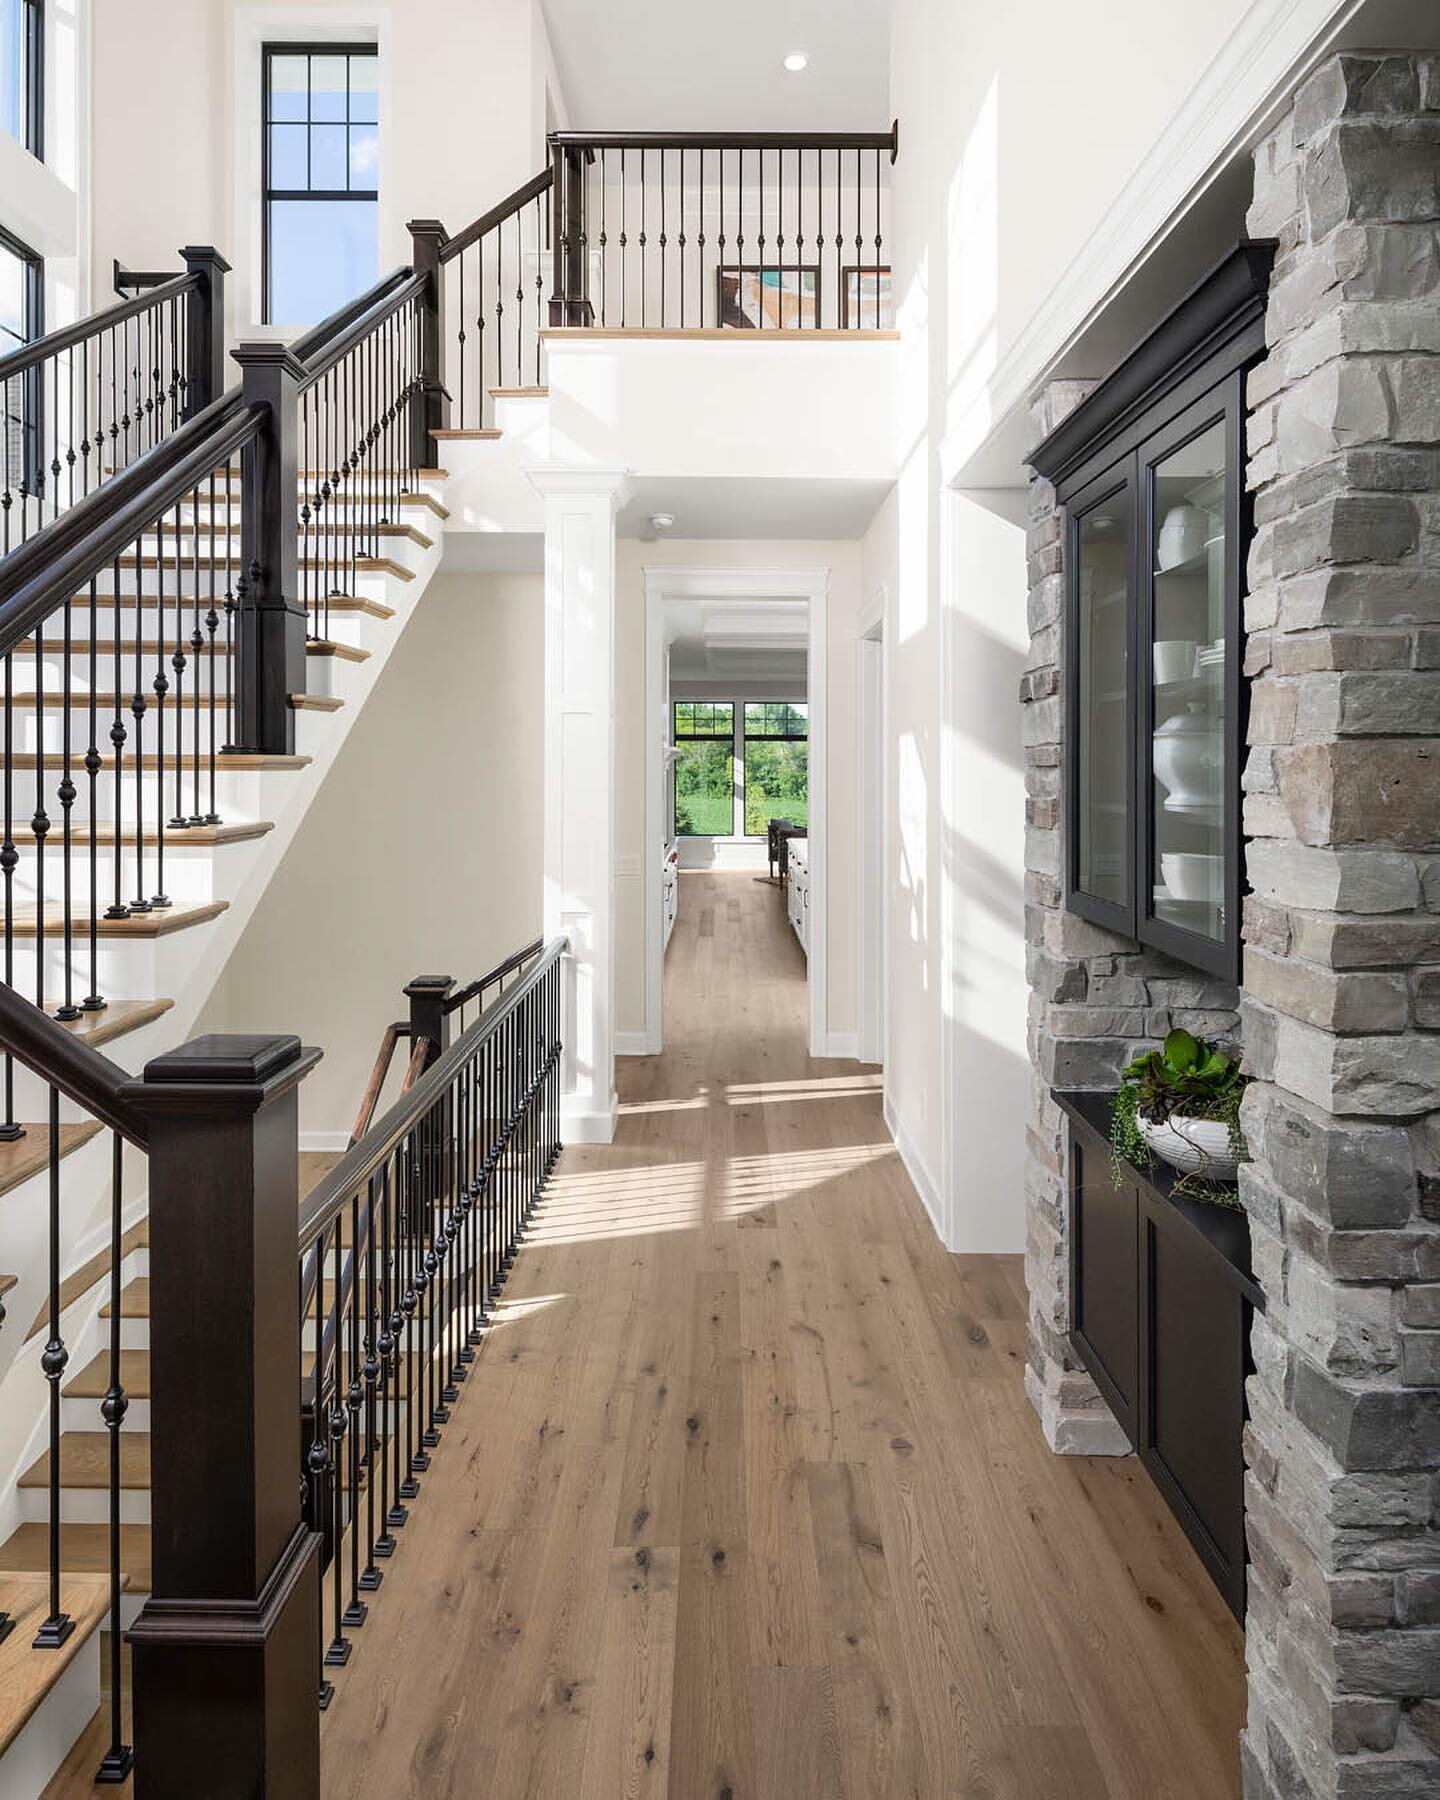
pixel 743 1497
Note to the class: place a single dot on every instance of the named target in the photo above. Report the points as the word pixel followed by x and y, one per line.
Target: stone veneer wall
pixel 1096 999
pixel 1341 981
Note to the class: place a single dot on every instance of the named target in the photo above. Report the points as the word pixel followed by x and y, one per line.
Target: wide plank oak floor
pixel 742 1496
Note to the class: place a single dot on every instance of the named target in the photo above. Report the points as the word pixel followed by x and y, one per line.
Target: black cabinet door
pixel 1104 1223
pixel 1195 1327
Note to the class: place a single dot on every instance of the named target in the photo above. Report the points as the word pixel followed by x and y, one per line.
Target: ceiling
pixel 738 641
pixel 712 506
pixel 669 65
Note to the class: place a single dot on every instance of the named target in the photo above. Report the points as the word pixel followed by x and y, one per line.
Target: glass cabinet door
pixel 1100 738
pixel 1187 664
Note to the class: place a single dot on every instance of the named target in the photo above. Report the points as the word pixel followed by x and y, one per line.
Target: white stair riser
pixel 129 968
pixel 193 872
pixel 59 1720
pixel 84 1415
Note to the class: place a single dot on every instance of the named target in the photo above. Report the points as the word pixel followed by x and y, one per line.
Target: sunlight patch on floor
pixel 589 1204
pixel 754 1181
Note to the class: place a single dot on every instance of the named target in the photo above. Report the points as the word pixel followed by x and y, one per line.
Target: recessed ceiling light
pixel 796 61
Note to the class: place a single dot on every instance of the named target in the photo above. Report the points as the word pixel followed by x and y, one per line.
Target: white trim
pixel 1256 68
pixel 916 1168
pixel 720 583
pixel 872 788
pixel 631 1043
pixel 324 1140
pixel 842 1044
pixel 580 1125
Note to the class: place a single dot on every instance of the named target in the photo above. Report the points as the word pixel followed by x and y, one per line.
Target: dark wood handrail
pixel 350 325
pixel 79 1071
pixel 371 1097
pixel 498 973
pixel 729 140
pixel 497 215
pixel 55 564
pixel 325 1201
pixel 66 337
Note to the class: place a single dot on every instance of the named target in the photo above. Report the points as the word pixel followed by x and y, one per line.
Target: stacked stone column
pixel 1341 983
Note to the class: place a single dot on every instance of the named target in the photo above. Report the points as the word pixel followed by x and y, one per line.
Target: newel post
pixel 226 1649
pixel 270 625
pixel 427 995
pixel 204 327
pixel 570 298
pixel 430 407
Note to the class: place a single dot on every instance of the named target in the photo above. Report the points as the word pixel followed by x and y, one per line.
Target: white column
pixel 580 507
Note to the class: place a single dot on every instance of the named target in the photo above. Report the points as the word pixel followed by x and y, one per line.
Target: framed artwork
pixel 760 297
pixel 867 300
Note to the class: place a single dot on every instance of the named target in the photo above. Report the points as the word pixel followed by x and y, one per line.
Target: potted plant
pixel 1182 1103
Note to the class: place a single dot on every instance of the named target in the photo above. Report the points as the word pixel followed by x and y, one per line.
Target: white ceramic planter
pixel 1192 1146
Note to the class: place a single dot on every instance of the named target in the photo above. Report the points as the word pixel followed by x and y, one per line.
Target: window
pixel 21 320
pixel 704 768
pixel 777 763
pixel 22 73
pixel 321 163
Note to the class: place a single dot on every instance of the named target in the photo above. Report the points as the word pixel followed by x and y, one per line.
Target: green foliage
pixel 1188 1077
pixel 704 790
pixel 777 780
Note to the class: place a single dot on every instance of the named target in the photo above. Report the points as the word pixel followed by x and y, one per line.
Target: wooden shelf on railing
pixel 733 334
pixel 30 1154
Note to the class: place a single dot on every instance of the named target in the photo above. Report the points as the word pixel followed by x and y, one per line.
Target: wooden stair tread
pixel 106 647
pixel 118 1018
pixel 134 1300
pixel 226 762
pixel 93 1381
pixel 315 1165
pixel 84 1550
pixel 160 923
pixel 316 702
pixel 477 436
pixel 519 393
pixel 428 501
pixel 108 703
pixel 132 603
pixel 30 1154
pixel 27 1675
pixel 81 1280
pixel 189 563
pixel 6 1283
pixel 233 831
pixel 85 1461
pixel 341 526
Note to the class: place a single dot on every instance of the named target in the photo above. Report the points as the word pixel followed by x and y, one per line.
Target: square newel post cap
pixel 265 353
pixel 204 256
pixel 428 987
pixel 428 228
pixel 239 1070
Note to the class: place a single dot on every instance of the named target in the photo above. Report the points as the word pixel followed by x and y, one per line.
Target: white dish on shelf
pixel 1174 660
pixel 1193 875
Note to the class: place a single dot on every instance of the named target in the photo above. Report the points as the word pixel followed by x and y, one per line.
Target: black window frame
pixel 310 49
pixel 712 736
pixel 33 51
pixel 33 327
pixel 744 736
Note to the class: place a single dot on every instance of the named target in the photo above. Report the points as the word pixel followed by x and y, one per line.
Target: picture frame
pixel 767 296
pixel 867 297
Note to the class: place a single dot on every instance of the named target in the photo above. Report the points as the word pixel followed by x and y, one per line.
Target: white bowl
pixel 1174 660
pixel 1192 876
pixel 1194 1146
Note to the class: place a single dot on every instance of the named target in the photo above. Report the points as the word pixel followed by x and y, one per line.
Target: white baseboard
pixel 916 1168
pixel 324 1140
pixel 582 1123
pixel 633 1043
pixel 842 1043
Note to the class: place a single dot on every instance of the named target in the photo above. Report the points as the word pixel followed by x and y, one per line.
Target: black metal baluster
pixel 117 908
pixel 387 1346
pixel 68 1010
pixel 624 241
pixel 116 1764
pixel 499 312
pixel 480 333
pixel 305 513
pixel 644 298
pixel 879 240
pixel 780 235
pixel 212 623
pixel 542 230
pixel 11 1129
pixel 519 305
pixel 410 1486
pixel 338 1653
pixel 58 1626
pixel 663 240
pixel 161 685
pixel 356 1612
pixel 317 1460
pixel 40 819
pixel 137 712
pixel 177 662
pixel 197 644
pixel 94 1001
pixel 859 241
pixel 234 498
pixel 54 422
pixel 700 237
pixel 370 1577
pixel 436 1413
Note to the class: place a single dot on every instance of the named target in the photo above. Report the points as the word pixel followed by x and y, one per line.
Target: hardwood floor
pixel 742 1496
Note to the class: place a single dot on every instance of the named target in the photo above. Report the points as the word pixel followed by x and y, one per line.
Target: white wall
pixel 421 854
pixel 843 560
pixel 176 106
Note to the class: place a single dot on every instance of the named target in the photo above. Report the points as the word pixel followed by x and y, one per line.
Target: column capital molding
pixel 560 481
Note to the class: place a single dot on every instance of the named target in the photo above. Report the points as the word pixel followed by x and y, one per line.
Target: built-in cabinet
pixel 1161 1302
pixel 669 889
pixel 797 889
pixel 1150 474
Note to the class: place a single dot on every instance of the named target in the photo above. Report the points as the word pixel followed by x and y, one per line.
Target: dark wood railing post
pixel 227 1646
pixel 430 409
pixel 570 277
pixel 205 327
pixel 427 995
pixel 270 636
